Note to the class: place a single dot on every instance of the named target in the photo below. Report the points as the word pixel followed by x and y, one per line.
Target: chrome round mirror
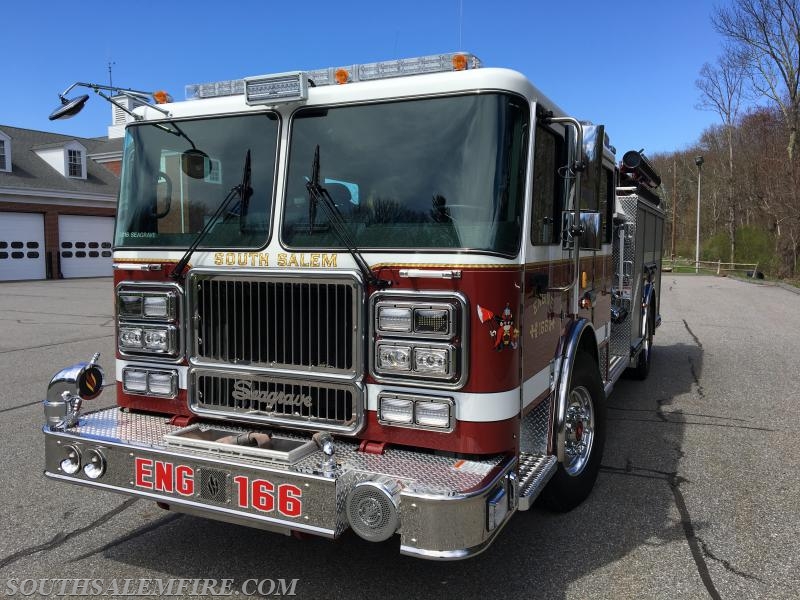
pixel 69 108
pixel 196 164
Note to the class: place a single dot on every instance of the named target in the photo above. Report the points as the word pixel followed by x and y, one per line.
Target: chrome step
pixel 535 470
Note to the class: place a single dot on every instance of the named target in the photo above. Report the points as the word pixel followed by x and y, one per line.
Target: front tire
pixel 584 438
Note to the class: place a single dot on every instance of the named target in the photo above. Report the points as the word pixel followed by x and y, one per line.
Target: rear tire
pixel 645 358
pixel 585 437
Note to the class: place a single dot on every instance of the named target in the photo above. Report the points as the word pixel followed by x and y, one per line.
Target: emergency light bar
pixel 274 88
pixel 294 86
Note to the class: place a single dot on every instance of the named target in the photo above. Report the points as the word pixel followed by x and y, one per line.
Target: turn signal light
pixel 162 97
pixel 342 76
pixel 459 62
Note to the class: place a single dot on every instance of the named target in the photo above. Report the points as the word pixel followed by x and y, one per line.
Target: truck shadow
pixel 636 507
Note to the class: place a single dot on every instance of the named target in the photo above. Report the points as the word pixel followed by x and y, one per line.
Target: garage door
pixel 85 245
pixel 21 246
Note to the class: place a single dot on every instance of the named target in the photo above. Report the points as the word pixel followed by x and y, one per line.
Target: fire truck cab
pixel 388 297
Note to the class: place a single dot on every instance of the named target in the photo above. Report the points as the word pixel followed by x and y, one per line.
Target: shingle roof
pixel 30 172
pixel 58 144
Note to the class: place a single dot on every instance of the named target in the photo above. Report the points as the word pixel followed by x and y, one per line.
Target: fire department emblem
pixel 501 327
pixel 212 485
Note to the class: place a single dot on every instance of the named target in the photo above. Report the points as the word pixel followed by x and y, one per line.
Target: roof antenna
pixel 460 22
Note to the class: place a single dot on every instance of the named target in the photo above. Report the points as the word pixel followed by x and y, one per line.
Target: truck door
pixel 596 203
pixel 548 270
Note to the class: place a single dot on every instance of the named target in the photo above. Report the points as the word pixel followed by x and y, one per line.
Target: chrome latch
pixel 430 274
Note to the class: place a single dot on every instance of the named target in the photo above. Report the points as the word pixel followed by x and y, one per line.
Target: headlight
pixel 396 410
pixel 134 380
pixel 394 358
pixel 130 305
pixel 151 340
pixel 432 320
pixel 153 383
pixel 156 339
pixel 432 414
pixel 428 320
pixel 158 307
pixel 147 305
pixel 408 410
pixel 435 362
pixel 391 318
pixel 162 384
pixel 432 361
pixel 422 337
pixel 130 337
pixel 148 319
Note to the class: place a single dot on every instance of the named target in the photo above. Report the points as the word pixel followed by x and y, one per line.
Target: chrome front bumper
pixel 447 508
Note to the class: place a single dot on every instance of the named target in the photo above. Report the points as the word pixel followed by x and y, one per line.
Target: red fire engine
pixel 390 297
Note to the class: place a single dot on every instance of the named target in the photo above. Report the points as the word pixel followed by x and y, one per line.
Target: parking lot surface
pixel 698 497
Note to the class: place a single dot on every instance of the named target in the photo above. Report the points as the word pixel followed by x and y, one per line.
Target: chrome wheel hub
pixel 579 431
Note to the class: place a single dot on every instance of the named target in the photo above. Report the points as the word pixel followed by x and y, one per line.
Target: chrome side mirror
pixel 587 231
pixel 591 238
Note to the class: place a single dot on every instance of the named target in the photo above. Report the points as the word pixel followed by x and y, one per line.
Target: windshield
pixel 434 173
pixel 176 175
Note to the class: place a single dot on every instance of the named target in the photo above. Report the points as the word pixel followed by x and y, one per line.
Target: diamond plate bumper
pixel 443 505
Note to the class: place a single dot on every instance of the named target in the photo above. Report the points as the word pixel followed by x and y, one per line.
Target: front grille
pixel 280 400
pixel 285 322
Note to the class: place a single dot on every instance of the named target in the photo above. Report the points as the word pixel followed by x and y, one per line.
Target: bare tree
pixel 766 35
pixel 721 87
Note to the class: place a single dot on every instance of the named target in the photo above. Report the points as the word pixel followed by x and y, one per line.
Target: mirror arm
pixel 130 93
pixel 108 88
pixel 118 105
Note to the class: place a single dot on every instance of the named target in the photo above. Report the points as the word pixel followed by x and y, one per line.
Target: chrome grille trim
pixel 291 401
pixel 284 323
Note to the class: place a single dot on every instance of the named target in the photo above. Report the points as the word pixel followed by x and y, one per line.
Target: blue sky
pixel 630 65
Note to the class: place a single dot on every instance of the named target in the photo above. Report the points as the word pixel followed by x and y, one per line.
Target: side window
pixel 547 187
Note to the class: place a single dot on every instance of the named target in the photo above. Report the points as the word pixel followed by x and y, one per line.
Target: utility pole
pixel 674 203
pixel 698 160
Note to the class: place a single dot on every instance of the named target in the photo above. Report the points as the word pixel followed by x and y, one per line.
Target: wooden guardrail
pixel 714 266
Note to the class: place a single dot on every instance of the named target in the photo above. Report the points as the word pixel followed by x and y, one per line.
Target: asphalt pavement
pixel 699 494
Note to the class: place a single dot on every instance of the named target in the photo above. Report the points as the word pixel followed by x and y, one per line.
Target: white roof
pixel 484 79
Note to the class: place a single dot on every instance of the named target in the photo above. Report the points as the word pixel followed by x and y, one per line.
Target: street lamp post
pixel 698 160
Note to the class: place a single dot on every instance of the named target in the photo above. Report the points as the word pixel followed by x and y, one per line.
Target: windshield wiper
pixel 317 194
pixel 243 191
pixel 246 190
